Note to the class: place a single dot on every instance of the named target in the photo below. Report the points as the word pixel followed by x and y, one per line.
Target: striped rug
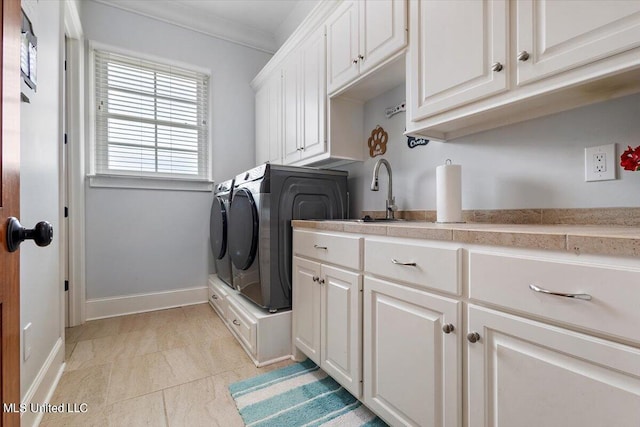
pixel 299 395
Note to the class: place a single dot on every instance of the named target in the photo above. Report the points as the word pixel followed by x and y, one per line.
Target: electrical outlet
pixel 599 163
pixel 26 341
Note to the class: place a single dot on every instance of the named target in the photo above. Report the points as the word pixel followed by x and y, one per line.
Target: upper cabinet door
pixel 291 108
pixel 262 125
pixel 268 124
pixel 383 31
pixel 313 87
pixel 342 45
pixel 458 53
pixel 560 35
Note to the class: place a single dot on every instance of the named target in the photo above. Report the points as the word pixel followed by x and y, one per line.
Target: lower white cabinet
pixel 525 373
pixel 412 358
pixel 549 339
pixel 327 319
pixel 264 336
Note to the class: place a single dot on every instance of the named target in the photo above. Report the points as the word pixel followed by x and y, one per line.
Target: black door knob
pixel 42 234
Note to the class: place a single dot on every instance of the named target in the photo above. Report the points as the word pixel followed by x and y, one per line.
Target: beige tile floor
pixel 164 368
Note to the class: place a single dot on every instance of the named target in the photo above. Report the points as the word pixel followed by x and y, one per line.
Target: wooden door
pixel 306 307
pixel 10 206
pixel 383 31
pixel 529 374
pixel 562 35
pixel 458 53
pixel 341 330
pixel 412 369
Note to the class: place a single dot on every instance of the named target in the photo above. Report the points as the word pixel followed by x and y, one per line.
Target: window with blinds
pixel 151 119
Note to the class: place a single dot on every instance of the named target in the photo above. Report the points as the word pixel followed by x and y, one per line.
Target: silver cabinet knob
pixel 315 278
pixel 321 281
pixel 355 60
pixel 360 57
pixel 299 148
pixel 235 322
pixel 497 67
pixel 523 56
pixel 448 328
pixel 473 337
pixel 214 296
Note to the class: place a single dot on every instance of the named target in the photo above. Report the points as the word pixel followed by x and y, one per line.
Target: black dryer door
pixel 243 229
pixel 218 228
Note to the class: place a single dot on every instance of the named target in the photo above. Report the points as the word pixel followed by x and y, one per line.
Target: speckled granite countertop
pixel 597 239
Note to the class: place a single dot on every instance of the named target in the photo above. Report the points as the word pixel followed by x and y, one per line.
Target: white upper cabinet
pixel 291 108
pixel 342 46
pixel 480 64
pixel 268 121
pixel 312 99
pixel 559 35
pixel 362 34
pixel 458 53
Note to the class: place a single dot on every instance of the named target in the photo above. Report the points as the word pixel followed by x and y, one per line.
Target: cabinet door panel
pixel 313 94
pixel 411 368
pixel 290 108
pixel 527 373
pixel 306 308
pixel 342 45
pixel 341 331
pixel 454 45
pixel 275 119
pixel 563 34
pixel 262 125
pixel 383 25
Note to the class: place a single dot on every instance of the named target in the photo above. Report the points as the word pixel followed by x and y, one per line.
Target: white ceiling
pixel 261 24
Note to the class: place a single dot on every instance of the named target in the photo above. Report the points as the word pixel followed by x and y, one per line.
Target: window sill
pixel 115 181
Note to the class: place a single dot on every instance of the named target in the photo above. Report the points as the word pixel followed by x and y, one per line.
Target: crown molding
pixel 183 16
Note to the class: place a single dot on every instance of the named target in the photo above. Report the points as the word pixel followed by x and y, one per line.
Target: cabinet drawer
pixel 615 291
pixel 243 324
pixel 429 266
pixel 332 248
pixel 218 296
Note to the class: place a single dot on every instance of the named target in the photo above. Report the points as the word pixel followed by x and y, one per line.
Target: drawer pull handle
pixel 235 322
pixel 410 264
pixel 320 247
pixel 585 297
pixel 214 296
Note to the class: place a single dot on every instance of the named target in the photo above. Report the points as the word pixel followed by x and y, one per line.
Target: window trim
pixel 132 181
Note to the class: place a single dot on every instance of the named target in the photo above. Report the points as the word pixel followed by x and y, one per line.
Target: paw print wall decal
pixel 378 142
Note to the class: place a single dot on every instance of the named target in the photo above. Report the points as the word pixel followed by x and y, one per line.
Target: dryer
pixel 218 230
pixel 265 200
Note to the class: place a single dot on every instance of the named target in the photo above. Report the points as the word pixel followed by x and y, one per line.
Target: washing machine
pixel 218 230
pixel 265 201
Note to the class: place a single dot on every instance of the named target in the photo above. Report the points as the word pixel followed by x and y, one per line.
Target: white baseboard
pixel 129 304
pixel 44 384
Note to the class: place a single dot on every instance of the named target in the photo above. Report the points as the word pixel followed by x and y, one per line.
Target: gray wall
pixel 40 139
pixel 152 240
pixel 533 164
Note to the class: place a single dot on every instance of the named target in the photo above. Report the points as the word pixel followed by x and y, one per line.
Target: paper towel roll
pixel 449 193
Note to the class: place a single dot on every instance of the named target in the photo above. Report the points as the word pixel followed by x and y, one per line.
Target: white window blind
pixel 151 119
